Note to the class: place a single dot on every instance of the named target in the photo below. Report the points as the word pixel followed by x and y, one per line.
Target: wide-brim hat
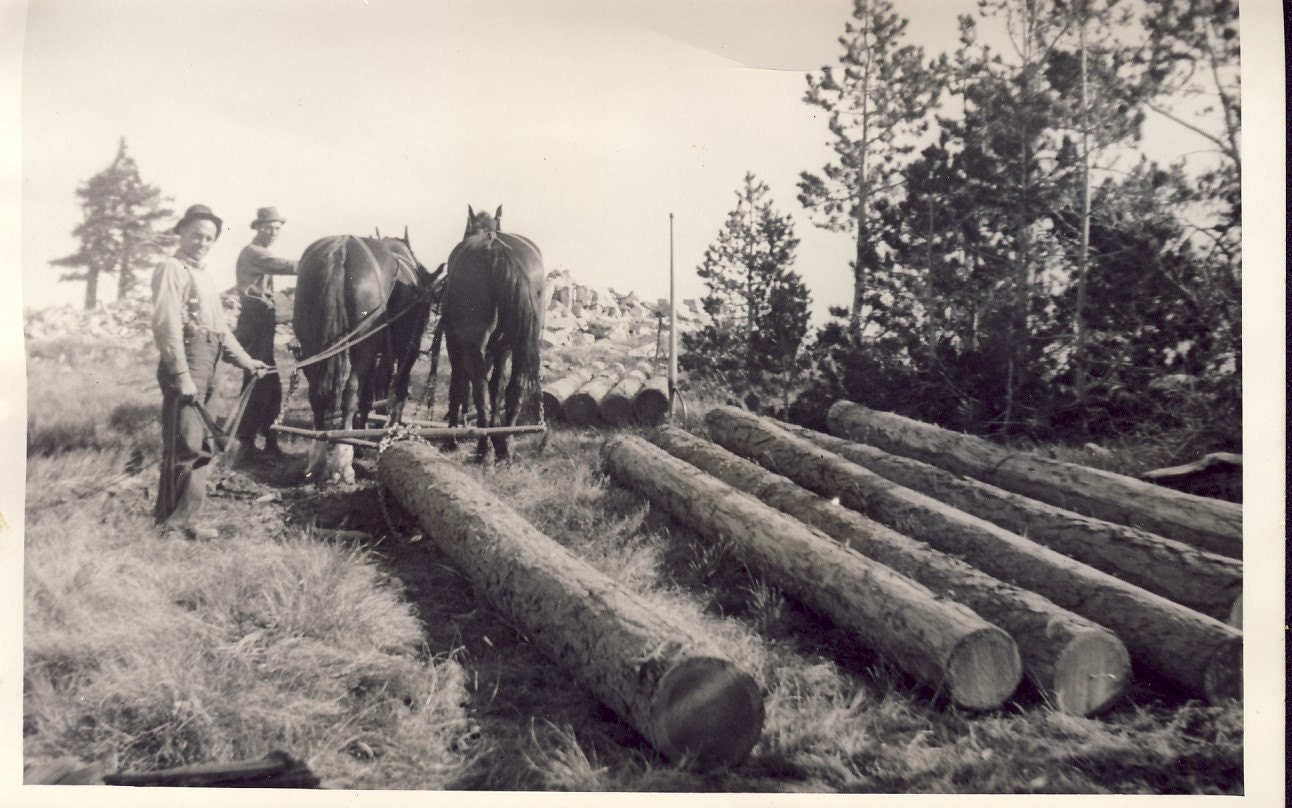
pixel 195 212
pixel 267 215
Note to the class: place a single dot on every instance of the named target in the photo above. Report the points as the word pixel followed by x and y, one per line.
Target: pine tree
pixel 118 234
pixel 759 307
pixel 878 101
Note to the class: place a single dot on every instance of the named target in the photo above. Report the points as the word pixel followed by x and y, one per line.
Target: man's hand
pixel 258 368
pixel 187 389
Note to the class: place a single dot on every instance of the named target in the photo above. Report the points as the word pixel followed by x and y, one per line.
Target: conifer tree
pixel 118 235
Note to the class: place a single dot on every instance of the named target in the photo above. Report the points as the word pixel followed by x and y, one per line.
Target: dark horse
pixel 372 298
pixel 492 316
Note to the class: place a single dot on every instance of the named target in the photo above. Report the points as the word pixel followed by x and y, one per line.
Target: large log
pixel 939 642
pixel 583 408
pixel 1080 666
pixel 1209 583
pixel 1198 654
pixel 650 405
pixel 1209 524
pixel 616 406
pixel 555 393
pixel 688 701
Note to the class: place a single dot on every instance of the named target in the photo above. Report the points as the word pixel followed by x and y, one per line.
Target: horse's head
pixel 482 222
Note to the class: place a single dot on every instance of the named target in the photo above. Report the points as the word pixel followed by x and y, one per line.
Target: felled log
pixel 1208 524
pixel 650 405
pixel 616 406
pixel 1198 654
pixel 1206 582
pixel 583 408
pixel 689 702
pixel 1219 474
pixel 939 642
pixel 1080 666
pixel 555 393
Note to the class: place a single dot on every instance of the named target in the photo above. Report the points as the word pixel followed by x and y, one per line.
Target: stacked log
pixel 939 642
pixel 555 393
pixel 1206 582
pixel 1198 654
pixel 583 408
pixel 616 406
pixel 650 405
pixel 689 702
pixel 1212 525
pixel 1081 667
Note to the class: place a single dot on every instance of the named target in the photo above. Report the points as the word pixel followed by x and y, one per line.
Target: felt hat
pixel 267 215
pixel 196 212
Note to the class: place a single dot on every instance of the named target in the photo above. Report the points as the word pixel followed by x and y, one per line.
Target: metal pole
pixel 672 324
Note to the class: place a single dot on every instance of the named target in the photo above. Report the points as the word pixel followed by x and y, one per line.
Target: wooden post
pixel 939 642
pixel 672 324
pixel 691 703
pixel 1208 524
pixel 1080 666
pixel 1199 654
pixel 1209 583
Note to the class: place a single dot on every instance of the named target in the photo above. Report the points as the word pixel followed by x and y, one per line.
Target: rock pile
pixel 580 315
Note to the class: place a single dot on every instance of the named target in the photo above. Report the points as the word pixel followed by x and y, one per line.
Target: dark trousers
pixel 255 330
pixel 187 449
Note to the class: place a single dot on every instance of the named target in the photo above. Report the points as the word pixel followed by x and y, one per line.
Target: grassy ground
pixel 378 663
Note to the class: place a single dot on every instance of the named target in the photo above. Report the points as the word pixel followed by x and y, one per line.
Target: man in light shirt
pixel 192 336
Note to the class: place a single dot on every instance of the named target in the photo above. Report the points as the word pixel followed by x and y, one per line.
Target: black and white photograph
pixel 656 400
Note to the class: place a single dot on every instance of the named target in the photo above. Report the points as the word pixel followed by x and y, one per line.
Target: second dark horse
pixel 367 300
pixel 492 317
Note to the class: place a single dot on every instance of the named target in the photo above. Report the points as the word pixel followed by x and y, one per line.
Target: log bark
pixel 650 405
pixel 555 394
pixel 1198 654
pixel 1081 667
pixel 583 408
pixel 1208 524
pixel 691 703
pixel 939 642
pixel 616 406
pixel 1205 582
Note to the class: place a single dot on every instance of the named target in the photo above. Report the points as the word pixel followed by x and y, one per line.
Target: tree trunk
pixel 939 642
pixel 1206 582
pixel 584 407
pixel 555 394
pixel 1211 525
pixel 1081 667
pixel 91 288
pixel 617 405
pixel 1199 654
pixel 689 702
pixel 650 405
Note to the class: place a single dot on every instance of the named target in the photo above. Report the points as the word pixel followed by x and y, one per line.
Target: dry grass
pixel 383 666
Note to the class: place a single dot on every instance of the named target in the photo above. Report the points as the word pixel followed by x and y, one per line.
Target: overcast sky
pixel 589 122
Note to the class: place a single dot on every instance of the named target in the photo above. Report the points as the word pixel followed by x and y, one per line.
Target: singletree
pixel 118 234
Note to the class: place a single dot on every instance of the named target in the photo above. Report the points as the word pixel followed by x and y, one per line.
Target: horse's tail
pixel 335 325
pixel 520 314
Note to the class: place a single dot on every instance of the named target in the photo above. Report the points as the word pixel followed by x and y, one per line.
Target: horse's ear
pixel 406 244
pixel 377 230
pixel 497 217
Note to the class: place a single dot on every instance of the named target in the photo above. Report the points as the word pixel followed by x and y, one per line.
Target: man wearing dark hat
pixel 192 336
pixel 256 319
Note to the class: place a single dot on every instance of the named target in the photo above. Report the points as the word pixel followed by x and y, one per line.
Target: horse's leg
pixel 478 383
pixel 504 416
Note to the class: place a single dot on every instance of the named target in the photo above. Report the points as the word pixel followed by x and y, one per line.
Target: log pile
pixel 689 702
pixel 1198 654
pixel 596 394
pixel 1079 666
pixel 1212 525
pixel 938 641
pixel 616 407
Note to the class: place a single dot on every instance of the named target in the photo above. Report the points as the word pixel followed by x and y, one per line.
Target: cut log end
pixel 1222 679
pixel 617 411
pixel 984 669
pixel 552 407
pixel 651 407
pixel 707 712
pixel 1091 674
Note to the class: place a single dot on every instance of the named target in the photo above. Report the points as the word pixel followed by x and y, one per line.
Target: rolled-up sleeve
pixel 170 283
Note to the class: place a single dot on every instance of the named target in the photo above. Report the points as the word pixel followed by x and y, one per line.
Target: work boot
pixel 241 453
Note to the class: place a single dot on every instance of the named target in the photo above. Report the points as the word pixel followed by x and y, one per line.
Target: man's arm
pixel 259 260
pixel 170 288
